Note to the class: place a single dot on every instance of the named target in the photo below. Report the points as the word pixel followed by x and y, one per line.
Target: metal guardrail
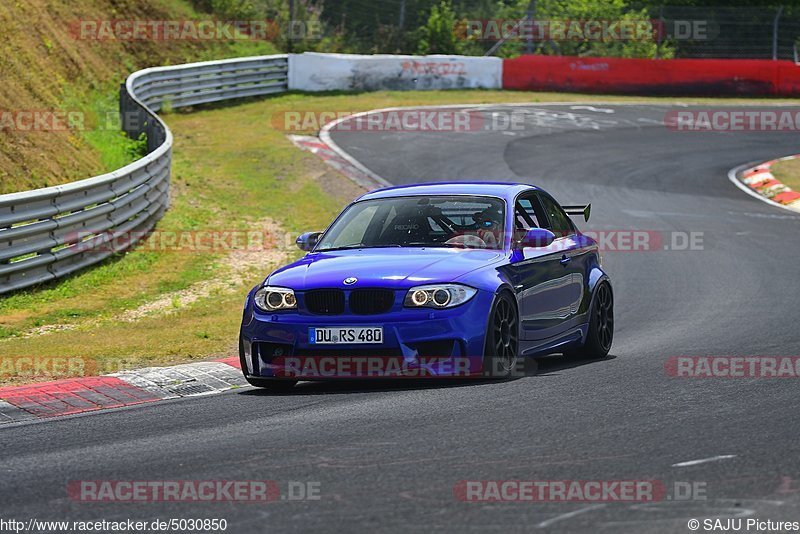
pixel 49 233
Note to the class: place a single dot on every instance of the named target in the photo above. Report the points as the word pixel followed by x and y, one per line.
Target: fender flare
pixel 597 277
pixel 503 287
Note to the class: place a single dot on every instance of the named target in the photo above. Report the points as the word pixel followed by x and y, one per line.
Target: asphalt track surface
pixel 388 455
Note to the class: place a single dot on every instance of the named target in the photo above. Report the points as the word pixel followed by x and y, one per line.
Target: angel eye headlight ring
pixel 439 296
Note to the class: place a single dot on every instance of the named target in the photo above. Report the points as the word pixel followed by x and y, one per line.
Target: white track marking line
pixel 764 215
pixel 568 515
pixel 325 137
pixel 592 108
pixel 705 460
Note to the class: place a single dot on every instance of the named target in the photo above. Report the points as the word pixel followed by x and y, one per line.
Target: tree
pixel 573 14
pixel 438 35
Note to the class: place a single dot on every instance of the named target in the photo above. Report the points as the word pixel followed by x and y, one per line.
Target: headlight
pixel 270 299
pixel 438 296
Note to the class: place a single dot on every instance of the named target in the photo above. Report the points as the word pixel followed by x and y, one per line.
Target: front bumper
pixel 416 343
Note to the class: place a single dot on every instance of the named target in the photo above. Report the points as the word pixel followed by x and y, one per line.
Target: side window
pixel 525 213
pixel 558 221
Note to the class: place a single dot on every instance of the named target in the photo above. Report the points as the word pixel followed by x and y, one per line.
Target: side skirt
pixel 558 343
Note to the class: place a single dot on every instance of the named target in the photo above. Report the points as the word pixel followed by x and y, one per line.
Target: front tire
pixel 601 326
pixel 502 338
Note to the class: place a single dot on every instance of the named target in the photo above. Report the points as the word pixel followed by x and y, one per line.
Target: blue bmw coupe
pixel 446 279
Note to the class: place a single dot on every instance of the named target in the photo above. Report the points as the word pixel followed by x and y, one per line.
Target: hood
pixel 391 268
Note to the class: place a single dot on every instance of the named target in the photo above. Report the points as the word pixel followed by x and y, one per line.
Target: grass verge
pixel 788 172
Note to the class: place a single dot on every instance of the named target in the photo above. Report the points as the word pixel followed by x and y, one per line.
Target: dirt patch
pixel 235 271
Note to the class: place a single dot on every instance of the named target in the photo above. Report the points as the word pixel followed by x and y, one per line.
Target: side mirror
pixel 308 241
pixel 537 238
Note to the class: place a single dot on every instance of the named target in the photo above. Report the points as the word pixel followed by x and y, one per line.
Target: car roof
pixel 505 190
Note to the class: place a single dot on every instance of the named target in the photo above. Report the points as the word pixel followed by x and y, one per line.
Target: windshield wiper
pixel 359 245
pixel 432 245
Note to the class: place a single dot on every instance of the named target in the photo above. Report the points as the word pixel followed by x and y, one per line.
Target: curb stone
pixel 761 181
pixel 72 396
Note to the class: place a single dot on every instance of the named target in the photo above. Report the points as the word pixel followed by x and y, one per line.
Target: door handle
pixel 565 260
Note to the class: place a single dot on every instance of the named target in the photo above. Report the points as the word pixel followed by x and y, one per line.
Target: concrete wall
pixel 347 72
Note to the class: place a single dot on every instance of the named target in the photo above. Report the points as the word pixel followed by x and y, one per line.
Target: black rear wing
pixel 586 211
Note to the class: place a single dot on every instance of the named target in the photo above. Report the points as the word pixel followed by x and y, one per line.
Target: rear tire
pixel 502 338
pixel 601 327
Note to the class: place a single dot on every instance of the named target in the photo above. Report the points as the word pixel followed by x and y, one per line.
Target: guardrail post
pixel 775 26
pixel 126 112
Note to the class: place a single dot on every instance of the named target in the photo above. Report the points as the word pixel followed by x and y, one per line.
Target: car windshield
pixel 417 221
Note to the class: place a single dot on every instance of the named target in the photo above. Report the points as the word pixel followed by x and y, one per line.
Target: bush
pixel 438 35
pixel 137 148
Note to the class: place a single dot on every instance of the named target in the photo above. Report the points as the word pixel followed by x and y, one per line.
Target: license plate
pixel 368 335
